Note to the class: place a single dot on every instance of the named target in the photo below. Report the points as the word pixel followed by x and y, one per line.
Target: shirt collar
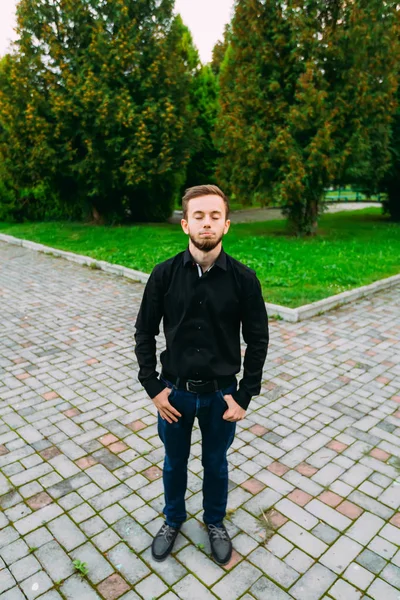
pixel 220 261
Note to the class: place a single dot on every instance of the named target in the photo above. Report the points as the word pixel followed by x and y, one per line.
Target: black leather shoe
pixel 163 542
pixel 221 545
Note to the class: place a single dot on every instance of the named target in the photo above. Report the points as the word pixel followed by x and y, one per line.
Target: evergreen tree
pixel 204 98
pixel 306 99
pixel 96 98
pixel 219 50
pixel 391 182
pixel 203 106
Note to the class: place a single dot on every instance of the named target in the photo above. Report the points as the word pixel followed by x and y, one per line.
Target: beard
pixel 206 244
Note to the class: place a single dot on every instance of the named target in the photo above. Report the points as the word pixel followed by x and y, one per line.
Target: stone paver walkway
pixel 315 466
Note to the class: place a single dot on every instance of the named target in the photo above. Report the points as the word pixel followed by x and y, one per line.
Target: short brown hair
pixel 203 190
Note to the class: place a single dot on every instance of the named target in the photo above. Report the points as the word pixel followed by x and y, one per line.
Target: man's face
pixel 206 224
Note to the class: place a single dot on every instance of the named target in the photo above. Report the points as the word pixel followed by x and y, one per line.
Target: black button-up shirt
pixel 202 318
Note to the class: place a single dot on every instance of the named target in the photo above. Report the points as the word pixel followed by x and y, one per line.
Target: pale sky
pixel 205 18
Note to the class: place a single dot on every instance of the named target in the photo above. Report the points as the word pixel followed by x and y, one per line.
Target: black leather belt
pixel 200 386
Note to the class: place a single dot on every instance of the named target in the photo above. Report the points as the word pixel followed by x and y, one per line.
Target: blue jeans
pixel 217 436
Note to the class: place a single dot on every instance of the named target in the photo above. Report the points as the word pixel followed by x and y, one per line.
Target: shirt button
pixel 197 349
pixel 200 302
pixel 199 327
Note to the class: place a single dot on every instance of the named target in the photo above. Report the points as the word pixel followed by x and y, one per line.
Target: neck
pixel 205 259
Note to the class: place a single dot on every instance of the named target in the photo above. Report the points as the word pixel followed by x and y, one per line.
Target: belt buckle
pixel 194 381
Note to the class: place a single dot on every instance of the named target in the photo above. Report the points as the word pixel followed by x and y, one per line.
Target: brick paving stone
pixel 383 547
pixel 330 498
pixel 194 560
pixel 118 447
pixel 238 580
pixel 376 508
pixel 36 585
pixel 262 501
pixel 303 539
pixel 276 518
pixel 127 563
pixel 40 500
pixel 264 588
pixel 379 589
pixel 66 532
pixel 348 509
pixel 105 540
pixel 113 587
pixel 55 561
pixel 24 567
pixel 391 534
pixel 14 551
pixel 303 483
pixel 296 513
pixel 258 430
pixel 102 477
pixel 277 468
pixel 190 588
pixel 342 590
pixel 341 554
pixel 380 454
pixel 253 486
pixel 328 514
pixel 33 521
pixel 371 561
pixel 279 546
pixel 358 576
pixel 365 528
pixel 38 537
pixel 337 446
pixel 395 520
pixel 272 566
pixel 313 584
pixel 391 574
pixel 7 581
pixel 300 497
pixel 244 544
pixel 152 585
pixel 14 594
pixel 396 559
pixel 305 469
pixel 76 587
pixel 132 532
pixel 85 462
pixel 98 567
pixel 72 412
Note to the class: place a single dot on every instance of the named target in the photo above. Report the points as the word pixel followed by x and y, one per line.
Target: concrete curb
pixel 292 315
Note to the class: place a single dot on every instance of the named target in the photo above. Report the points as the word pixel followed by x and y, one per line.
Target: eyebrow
pixel 202 212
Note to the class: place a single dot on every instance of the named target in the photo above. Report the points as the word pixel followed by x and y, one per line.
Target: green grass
pixel 351 249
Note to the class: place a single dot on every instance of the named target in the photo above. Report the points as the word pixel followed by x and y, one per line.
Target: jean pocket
pixel 229 390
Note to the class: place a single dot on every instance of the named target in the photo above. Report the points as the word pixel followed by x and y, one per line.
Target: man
pixel 203 295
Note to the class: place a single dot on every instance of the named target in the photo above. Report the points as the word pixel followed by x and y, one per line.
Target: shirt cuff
pixel 153 387
pixel 242 398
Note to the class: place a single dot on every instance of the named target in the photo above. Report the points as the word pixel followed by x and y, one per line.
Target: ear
pixel 227 225
pixel 185 226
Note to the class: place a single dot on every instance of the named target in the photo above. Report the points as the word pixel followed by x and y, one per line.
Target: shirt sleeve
pixel 147 328
pixel 256 336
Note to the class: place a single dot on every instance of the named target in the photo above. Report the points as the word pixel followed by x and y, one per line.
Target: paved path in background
pixel 271 214
pixel 80 458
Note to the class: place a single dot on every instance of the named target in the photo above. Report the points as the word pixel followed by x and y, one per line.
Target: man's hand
pixel 234 412
pixel 166 410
